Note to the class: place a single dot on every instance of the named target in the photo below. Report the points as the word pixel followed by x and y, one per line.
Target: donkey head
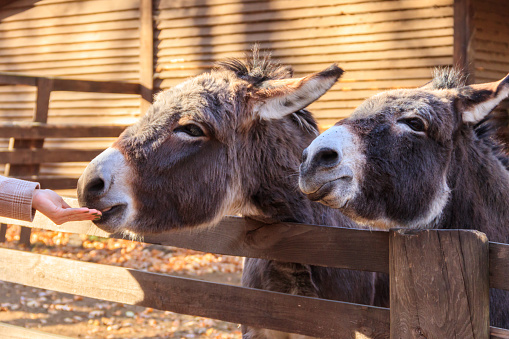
pixel 388 164
pixel 201 150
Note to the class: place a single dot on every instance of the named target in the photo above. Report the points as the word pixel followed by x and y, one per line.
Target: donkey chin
pixel 102 187
pixel 335 188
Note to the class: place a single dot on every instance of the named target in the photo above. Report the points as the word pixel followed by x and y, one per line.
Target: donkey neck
pixel 479 191
pixel 271 178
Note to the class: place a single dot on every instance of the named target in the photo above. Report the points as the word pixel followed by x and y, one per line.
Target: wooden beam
pixel 308 244
pixel 278 311
pixel 439 284
pixel 72 85
pixel 463 34
pixel 8 331
pixel 44 88
pixel 499 333
pixel 146 54
pixel 31 130
pixel 40 156
pixel 3 232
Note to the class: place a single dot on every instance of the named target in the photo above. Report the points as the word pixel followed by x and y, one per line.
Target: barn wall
pixel 92 40
pixel 490 42
pixel 380 44
pixel 489 50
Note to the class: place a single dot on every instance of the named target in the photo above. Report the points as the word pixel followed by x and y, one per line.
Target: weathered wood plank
pixel 73 85
pixel 3 231
pixel 291 242
pixel 40 156
pixel 439 284
pixel 56 183
pixel 498 333
pixel 8 331
pixel 499 266
pixel 30 130
pixel 146 54
pixel 267 12
pixel 463 30
pixel 309 316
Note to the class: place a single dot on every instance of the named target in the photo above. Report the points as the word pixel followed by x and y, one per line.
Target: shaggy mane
pixel 447 78
pixel 257 68
pixel 488 128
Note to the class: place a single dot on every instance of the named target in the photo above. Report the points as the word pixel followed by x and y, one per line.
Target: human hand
pixel 55 208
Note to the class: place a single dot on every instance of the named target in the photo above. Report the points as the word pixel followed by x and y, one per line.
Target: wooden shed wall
pixel 489 49
pixel 89 39
pixel 380 44
pixel 490 42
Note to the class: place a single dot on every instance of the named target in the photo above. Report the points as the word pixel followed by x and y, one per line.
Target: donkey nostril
pixel 95 186
pixel 327 157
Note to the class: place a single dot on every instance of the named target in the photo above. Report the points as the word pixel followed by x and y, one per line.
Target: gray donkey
pixel 419 158
pixel 224 143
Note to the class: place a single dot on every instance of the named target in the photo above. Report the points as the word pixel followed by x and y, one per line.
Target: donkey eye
pixel 191 130
pixel 415 124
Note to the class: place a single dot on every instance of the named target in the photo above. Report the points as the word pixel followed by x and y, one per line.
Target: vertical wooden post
pixel 3 232
pixel 44 87
pixel 146 54
pixel 463 38
pixel 439 284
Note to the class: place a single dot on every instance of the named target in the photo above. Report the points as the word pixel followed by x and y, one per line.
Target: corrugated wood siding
pixel 89 39
pixel 380 44
pixel 490 40
pixel 490 48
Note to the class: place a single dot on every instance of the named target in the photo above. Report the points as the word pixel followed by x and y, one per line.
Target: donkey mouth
pixel 327 188
pixel 110 213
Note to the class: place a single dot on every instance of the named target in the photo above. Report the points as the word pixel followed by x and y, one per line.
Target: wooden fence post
pixel 44 87
pixel 439 284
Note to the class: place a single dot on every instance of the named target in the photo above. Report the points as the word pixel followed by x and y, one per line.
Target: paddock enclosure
pixel 439 279
pixel 74 73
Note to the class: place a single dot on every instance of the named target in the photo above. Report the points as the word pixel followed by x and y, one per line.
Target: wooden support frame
pixel 28 139
pixel 44 88
pixel 439 284
pixel 146 54
pixel 466 252
pixel 463 38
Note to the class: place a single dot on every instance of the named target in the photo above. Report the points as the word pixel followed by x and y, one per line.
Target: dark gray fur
pixel 403 170
pixel 182 185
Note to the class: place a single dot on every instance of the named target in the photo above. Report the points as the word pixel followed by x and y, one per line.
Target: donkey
pixel 419 158
pixel 224 143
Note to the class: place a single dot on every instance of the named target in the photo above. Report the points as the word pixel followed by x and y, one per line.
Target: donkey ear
pixel 277 98
pixel 477 101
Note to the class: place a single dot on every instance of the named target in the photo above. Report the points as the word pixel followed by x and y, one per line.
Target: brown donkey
pixel 419 158
pixel 224 143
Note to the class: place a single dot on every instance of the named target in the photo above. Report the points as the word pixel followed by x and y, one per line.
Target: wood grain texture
pixel 296 314
pixel 290 242
pixel 8 331
pixel 498 333
pixel 439 284
pixel 499 266
pixel 463 30
pixel 39 156
pixel 3 232
pixel 31 130
pixel 146 54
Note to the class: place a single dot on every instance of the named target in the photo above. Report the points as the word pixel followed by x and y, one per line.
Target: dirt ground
pixel 80 317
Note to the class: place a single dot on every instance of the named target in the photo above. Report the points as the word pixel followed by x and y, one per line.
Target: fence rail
pixel 308 244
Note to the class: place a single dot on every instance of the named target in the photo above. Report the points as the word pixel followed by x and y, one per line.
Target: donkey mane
pixel 258 67
pixel 448 78
pixel 485 130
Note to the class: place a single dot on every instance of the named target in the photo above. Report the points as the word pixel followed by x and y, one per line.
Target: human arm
pixel 19 199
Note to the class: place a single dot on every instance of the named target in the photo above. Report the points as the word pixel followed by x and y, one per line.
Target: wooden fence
pixel 26 151
pixel 445 274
